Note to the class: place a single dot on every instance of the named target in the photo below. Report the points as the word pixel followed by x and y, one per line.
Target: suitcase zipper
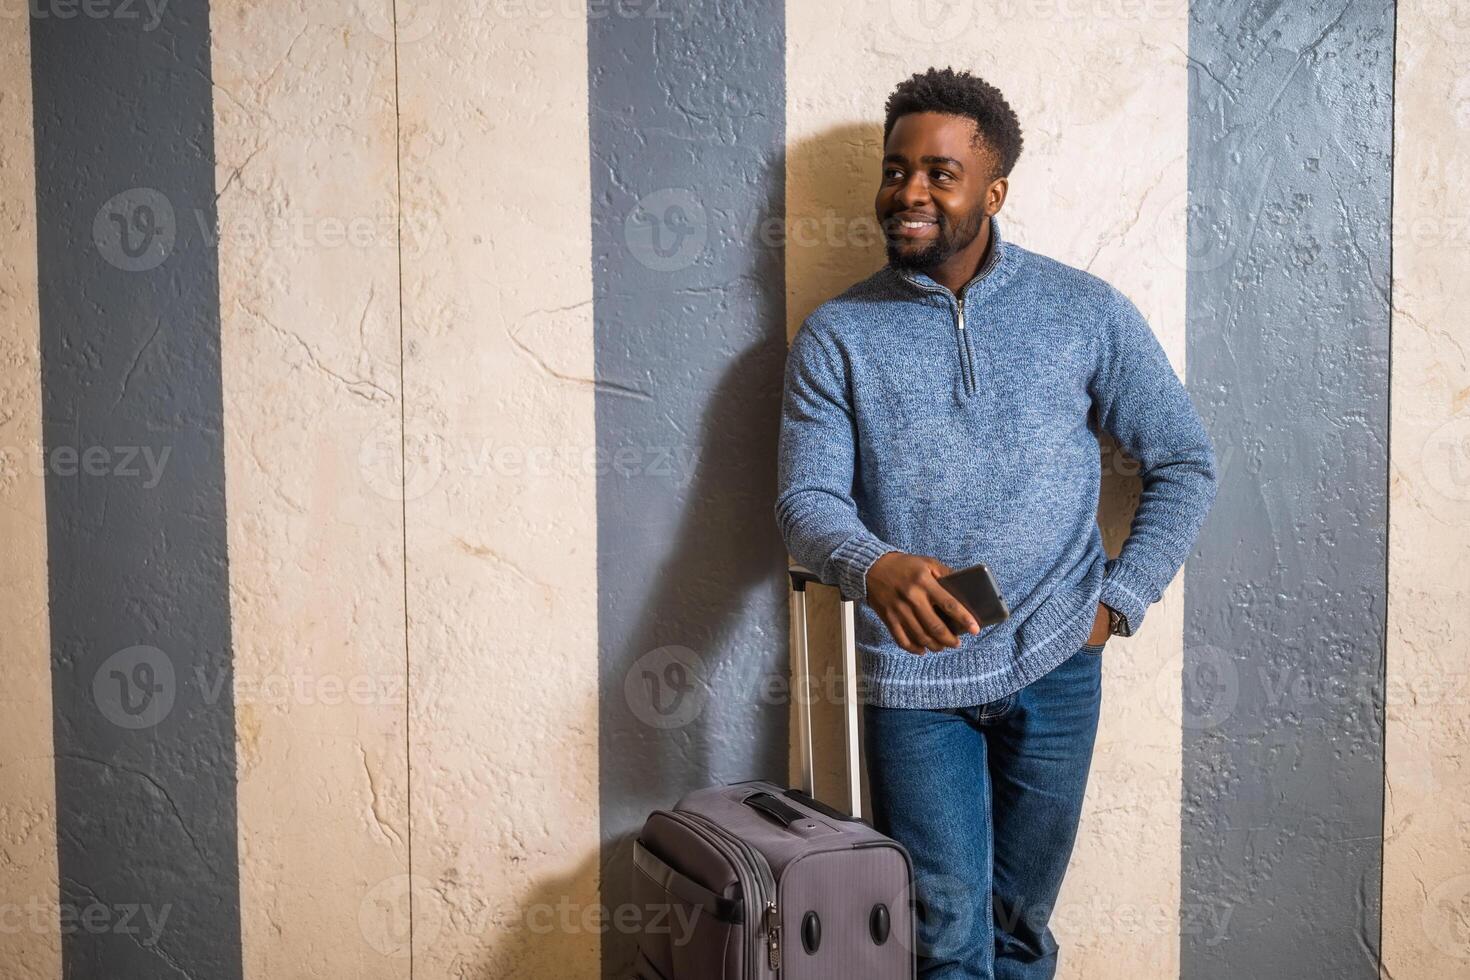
pixel 765 890
pixel 773 932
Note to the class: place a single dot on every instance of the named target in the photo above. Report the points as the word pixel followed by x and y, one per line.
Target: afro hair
pixel 961 94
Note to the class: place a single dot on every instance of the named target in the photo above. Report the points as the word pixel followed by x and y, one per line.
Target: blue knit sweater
pixel 968 433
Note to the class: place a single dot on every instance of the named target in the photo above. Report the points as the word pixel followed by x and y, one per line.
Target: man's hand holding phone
pixel 921 614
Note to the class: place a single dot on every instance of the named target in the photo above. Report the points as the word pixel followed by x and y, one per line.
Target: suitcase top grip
pixel 810 801
pixel 773 806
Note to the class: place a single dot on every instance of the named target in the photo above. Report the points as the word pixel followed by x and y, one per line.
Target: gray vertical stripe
pixel 687 127
pixel 130 373
pixel 1288 340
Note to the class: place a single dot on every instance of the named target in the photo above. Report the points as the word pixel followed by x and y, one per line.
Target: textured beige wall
pixel 502 542
pixel 304 136
pixel 497 350
pixel 1101 184
pixel 30 937
pixel 1426 874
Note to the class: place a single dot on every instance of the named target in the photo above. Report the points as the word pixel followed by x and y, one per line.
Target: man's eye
pixel 889 173
pixel 941 175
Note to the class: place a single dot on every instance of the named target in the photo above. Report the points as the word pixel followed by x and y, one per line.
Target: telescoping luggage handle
pixel 801 577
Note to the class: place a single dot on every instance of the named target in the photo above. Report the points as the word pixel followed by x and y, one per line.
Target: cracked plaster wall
pixel 490 515
pixel 502 501
pixel 306 171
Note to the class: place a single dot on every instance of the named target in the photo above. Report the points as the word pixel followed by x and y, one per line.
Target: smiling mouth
pixel 905 228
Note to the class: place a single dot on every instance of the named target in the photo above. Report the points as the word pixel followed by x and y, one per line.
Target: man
pixel 943 412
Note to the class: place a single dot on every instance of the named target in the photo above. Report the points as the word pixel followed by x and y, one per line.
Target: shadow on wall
pixel 691 603
pixel 693 676
pixel 552 935
pixel 834 242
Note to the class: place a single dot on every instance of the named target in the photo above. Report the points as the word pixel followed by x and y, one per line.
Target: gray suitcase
pixel 751 881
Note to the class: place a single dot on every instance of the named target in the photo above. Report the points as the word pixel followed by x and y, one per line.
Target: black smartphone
pixel 976 589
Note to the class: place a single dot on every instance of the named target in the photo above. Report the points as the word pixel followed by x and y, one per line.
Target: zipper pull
pixel 773 933
pixel 962 314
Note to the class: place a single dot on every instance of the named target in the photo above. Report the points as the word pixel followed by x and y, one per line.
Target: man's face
pixel 931 200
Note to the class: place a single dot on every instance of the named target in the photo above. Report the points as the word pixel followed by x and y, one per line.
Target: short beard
pixel 946 244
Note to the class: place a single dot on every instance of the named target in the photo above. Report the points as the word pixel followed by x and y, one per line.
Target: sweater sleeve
pixel 816 468
pixel 1143 404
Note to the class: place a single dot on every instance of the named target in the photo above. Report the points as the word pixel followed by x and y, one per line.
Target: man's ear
pixel 995 197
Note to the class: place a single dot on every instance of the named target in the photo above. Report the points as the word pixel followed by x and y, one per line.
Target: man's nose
pixel 914 192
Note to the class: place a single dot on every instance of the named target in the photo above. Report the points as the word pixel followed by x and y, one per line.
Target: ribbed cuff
pixel 1127 589
pixel 853 558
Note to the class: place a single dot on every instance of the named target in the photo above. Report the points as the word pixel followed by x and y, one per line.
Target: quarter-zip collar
pixel 998 263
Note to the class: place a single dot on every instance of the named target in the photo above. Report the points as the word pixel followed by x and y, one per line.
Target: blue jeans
pixel 986 799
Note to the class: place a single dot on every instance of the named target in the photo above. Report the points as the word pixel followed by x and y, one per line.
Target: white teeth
pixel 917 224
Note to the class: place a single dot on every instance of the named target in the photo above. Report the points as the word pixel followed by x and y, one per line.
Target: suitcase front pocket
pixel 686 930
